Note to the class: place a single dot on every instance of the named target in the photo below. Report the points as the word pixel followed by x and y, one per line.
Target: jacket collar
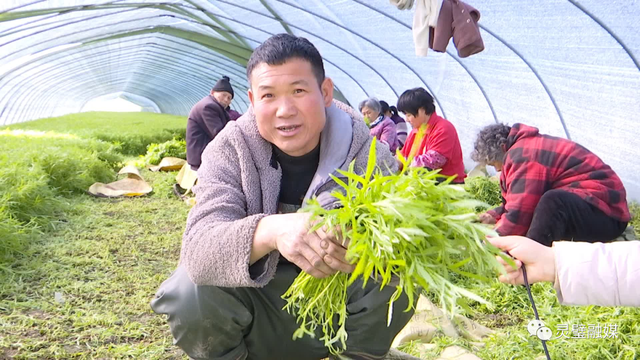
pixel 335 143
pixel 222 110
pixel 216 101
pixel 434 119
pixel 518 132
pixel 377 121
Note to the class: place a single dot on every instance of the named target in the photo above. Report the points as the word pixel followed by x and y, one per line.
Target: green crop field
pixel 132 131
pixel 77 272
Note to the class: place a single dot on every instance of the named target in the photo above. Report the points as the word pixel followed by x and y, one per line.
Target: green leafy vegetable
pixel 484 189
pixel 156 152
pixel 634 208
pixel 405 227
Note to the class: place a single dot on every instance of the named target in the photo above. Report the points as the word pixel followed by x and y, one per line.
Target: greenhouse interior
pixel 319 179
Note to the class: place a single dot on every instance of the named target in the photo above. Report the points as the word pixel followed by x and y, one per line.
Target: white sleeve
pixel 598 274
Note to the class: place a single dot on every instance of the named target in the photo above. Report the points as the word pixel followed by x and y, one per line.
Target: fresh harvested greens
pixel 485 190
pixel 156 152
pixel 634 208
pixel 403 226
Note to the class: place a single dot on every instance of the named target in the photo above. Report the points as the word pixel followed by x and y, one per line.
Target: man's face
pixel 223 97
pixel 290 105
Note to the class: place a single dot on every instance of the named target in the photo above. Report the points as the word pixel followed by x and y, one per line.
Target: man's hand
pixel 539 260
pixel 317 253
pixel 485 218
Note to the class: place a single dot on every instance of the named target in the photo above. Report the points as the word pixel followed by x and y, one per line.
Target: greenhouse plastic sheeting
pixel 568 67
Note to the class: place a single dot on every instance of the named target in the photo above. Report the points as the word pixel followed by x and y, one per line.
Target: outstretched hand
pixel 538 259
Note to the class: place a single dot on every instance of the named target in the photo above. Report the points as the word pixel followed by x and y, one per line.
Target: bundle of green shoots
pixel 484 189
pixel 403 226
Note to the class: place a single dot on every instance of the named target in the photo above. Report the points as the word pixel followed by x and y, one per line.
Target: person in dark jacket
pixel 552 188
pixel 206 119
pixel 233 115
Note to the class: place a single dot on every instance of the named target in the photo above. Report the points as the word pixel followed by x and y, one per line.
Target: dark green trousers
pixel 210 322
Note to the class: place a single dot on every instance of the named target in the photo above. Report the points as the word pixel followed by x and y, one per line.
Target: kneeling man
pixel 244 242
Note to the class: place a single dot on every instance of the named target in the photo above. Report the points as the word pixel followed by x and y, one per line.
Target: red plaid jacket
pixel 536 163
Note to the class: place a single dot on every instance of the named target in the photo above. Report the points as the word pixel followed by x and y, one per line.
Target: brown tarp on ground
pixel 186 178
pixel 169 164
pixel 132 185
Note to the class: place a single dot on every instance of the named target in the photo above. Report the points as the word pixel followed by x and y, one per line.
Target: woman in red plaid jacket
pixel 552 188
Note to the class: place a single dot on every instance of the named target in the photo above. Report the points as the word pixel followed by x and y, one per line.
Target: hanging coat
pixel 460 20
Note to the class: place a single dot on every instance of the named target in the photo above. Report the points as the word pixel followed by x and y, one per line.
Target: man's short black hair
pixel 279 48
pixel 413 99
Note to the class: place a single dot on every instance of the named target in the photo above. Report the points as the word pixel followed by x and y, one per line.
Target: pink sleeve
pixel 431 159
pixel 598 274
pixel 389 133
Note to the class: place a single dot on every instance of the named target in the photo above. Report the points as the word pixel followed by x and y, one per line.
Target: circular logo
pixel 533 326
pixel 544 333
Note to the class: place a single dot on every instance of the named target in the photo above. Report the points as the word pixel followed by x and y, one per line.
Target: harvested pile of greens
pixel 634 208
pixel 403 226
pixel 485 190
pixel 156 152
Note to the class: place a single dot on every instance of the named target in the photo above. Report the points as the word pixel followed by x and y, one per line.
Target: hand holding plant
pixel 318 253
pixel 540 260
pixel 486 219
pixel 403 226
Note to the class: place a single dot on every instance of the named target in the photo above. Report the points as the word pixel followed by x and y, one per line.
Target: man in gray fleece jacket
pixel 245 242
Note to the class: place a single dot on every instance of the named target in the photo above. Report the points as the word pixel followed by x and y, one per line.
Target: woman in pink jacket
pixel 581 273
pixel 382 127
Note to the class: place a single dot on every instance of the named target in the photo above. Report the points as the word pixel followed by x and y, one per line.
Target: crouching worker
pixel 552 188
pixel 206 119
pixel 245 243
pixel 433 142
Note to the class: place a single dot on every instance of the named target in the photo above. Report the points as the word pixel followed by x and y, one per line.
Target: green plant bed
pixel 38 170
pixel 105 263
pixel 132 131
pixel 634 207
pixel 512 312
pixel 106 259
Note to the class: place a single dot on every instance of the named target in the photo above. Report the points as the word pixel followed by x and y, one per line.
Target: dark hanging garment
pixel 460 20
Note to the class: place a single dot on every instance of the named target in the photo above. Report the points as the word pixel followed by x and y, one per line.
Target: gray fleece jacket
pixel 239 184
